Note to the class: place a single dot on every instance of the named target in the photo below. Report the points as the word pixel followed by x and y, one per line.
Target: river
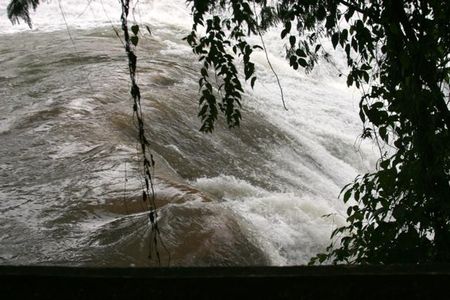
pixel 70 183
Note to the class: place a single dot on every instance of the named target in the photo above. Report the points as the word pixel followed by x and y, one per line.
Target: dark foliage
pixel 398 54
pixel 222 33
pixel 20 9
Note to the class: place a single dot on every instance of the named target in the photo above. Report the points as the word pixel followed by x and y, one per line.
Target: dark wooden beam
pixel 320 282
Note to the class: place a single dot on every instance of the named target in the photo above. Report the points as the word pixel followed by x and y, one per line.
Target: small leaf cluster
pixel 134 39
pixel 224 35
pixel 20 9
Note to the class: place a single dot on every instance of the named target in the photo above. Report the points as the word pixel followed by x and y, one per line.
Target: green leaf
pixel 292 40
pixel 383 134
pixel 347 195
pixel 384 164
pixel 347 50
pixel 317 48
pixel 302 62
pixel 349 14
pixel 204 72
pixel 134 40
pixel 344 35
pixel 252 81
pixel 366 76
pixel 286 30
pixel 300 52
pixel 335 39
pixel 135 29
pixel 349 80
pixel 354 44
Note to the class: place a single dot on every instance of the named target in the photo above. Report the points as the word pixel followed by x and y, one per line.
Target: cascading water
pixel 69 175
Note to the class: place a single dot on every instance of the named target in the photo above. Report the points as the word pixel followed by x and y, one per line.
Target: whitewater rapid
pixel 265 193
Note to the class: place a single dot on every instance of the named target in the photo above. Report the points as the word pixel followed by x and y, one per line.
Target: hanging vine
pixel 148 192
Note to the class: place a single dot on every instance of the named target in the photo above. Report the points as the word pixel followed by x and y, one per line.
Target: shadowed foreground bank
pixel 330 282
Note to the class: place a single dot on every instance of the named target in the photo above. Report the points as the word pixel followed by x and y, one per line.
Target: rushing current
pixel 70 178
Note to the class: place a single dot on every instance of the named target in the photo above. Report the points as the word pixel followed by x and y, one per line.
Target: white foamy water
pixel 273 181
pixel 58 14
